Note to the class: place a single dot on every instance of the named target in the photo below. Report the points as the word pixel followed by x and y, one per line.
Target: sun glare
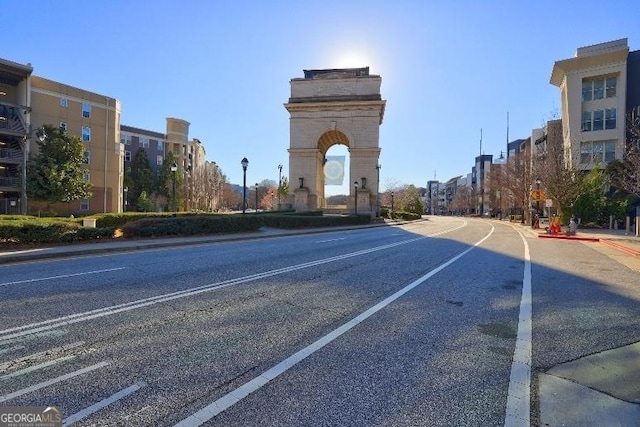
pixel 352 58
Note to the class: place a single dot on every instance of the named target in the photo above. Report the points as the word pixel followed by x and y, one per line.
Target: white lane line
pixel 9 335
pixel 11 349
pixel 519 395
pixel 102 404
pixel 6 365
pixel 233 397
pixel 61 276
pixel 331 240
pixel 52 381
pixel 35 368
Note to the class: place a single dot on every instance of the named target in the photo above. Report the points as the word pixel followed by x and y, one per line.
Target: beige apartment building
pixel 594 95
pixel 27 103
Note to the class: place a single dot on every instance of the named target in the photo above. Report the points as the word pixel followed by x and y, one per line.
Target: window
pixel 86 176
pixel 587 90
pixel 597 152
pixel 598 120
pixel 609 151
pixel 63 126
pixel 586 121
pixel 86 110
pixel 160 146
pixel 87 157
pixel 144 142
pixel 585 152
pixel 64 102
pixel 159 160
pixel 84 204
pixel 610 118
pixel 599 88
pixel 127 156
pixel 127 139
pixel 86 133
pixel 611 84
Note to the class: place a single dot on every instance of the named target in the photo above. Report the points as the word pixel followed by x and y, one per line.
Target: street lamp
pixel 244 162
pixel 174 169
pixel 378 192
pixel 279 183
pixel 126 199
pixel 256 198
pixel 538 196
pixel 392 205
pixel 355 184
pixel 41 135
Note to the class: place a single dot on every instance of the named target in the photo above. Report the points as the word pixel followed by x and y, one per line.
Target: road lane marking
pixel 52 381
pixel 61 276
pixel 519 395
pixel 35 367
pixel 208 412
pixel 11 349
pixel 331 240
pixel 9 335
pixel 80 415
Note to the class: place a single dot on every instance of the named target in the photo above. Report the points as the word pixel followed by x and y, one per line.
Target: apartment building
pixel 190 154
pixel 599 86
pixel 28 102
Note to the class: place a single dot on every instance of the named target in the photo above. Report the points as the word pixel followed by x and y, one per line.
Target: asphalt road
pixel 389 326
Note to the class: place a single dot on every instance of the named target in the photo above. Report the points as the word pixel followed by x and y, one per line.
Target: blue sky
pixel 448 68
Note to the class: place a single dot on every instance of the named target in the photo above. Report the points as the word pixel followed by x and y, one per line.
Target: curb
pixel 620 247
pixel 565 237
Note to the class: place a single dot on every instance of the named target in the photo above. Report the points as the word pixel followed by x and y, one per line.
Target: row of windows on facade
pixel 599 88
pixel 145 143
pixel 86 107
pixel 597 152
pixel 159 158
pixel 142 142
pixel 599 120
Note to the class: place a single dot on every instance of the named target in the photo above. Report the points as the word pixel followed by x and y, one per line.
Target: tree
pixel 144 204
pixel 56 174
pixel 561 181
pixel 410 200
pixel 141 178
pixel 283 190
pixel 625 173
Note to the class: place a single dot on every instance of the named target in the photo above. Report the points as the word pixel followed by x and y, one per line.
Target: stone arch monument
pixel 328 107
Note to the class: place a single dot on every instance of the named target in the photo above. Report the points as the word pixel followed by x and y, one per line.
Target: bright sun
pixel 351 59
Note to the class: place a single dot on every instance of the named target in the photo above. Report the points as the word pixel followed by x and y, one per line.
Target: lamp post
pixel 378 192
pixel 392 205
pixel 279 183
pixel 126 199
pixel 538 196
pixel 41 135
pixel 244 162
pixel 256 198
pixel 174 169
pixel 355 184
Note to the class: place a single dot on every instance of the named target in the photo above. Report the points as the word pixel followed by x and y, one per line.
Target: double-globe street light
pixel 355 184
pixel 244 162
pixel 256 198
pixel 279 183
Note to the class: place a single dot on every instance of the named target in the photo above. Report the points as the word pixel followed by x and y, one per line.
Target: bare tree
pixel 553 166
pixel 625 173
